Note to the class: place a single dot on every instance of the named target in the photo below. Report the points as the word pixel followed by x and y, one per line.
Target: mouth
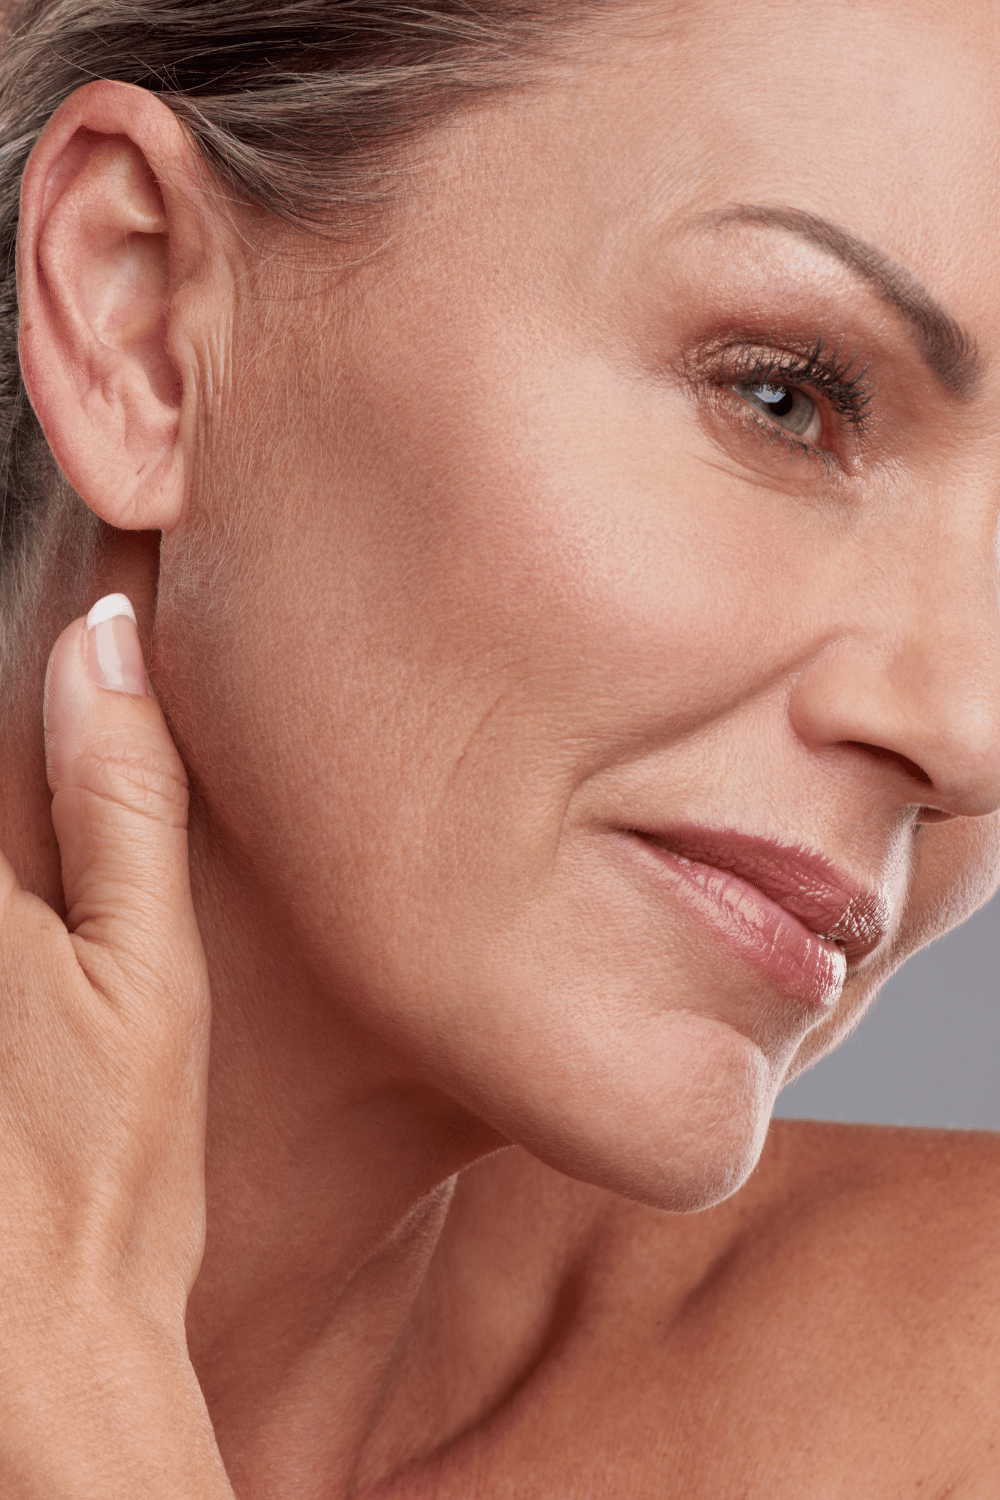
pixel 787 911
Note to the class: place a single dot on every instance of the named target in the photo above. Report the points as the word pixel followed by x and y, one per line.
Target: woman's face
pixel 622 524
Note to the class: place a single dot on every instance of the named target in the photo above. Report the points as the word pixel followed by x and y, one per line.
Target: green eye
pixel 788 408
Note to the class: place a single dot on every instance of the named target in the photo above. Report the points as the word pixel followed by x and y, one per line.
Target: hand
pixel 104 1029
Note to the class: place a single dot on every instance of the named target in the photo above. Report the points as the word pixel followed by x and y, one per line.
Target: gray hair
pixel 298 108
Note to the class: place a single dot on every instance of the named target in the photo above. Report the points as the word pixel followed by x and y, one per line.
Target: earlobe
pixel 94 290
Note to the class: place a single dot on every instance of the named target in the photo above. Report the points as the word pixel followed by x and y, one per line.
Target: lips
pixel 786 910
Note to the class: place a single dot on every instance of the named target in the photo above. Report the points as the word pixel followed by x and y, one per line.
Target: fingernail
pixel 114 656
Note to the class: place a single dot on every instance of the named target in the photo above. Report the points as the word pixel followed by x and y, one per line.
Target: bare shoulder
pixel 867 1245
pixel 880 1156
pixel 921 1201
pixel 833 1329
pixel 840 1314
pixel 859 1201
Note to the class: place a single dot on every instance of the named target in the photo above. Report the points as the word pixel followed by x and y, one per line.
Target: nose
pixel 916 686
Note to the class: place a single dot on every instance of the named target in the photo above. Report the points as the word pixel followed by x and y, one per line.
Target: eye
pixel 790 409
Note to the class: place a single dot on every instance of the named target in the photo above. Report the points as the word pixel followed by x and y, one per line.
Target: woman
pixel 552 456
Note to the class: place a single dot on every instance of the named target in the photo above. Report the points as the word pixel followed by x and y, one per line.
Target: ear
pixel 113 225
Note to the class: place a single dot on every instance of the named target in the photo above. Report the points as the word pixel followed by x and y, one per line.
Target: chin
pixel 677 1122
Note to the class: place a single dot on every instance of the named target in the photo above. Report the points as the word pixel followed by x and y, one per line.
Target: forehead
pixel 884 118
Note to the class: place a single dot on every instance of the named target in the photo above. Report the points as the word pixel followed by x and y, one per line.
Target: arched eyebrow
pixel 947 348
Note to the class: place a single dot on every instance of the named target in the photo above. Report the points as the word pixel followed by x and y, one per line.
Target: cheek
pixel 584 572
pixel 466 615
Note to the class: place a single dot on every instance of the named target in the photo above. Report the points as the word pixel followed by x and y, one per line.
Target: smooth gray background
pixel 928 1051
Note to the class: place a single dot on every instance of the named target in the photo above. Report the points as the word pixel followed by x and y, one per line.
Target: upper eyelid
pixel 846 385
pixel 817 349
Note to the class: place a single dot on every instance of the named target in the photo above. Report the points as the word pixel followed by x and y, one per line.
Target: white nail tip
pixel 109 608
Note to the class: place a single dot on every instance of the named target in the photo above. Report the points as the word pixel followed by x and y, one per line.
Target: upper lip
pixel 806 884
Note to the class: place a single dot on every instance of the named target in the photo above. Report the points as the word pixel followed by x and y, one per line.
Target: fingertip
pixel 101 649
pixel 114 654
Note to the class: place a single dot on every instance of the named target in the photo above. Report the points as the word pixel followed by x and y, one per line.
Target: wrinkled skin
pixel 473 558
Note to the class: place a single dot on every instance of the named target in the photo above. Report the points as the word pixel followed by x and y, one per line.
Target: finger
pixel 119 809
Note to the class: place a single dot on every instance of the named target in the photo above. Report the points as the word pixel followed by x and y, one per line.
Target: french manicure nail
pixel 114 656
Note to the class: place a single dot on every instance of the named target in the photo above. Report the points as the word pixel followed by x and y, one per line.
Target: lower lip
pixel 754 928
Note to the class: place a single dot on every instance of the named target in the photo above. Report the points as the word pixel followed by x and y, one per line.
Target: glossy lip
pixel 786 910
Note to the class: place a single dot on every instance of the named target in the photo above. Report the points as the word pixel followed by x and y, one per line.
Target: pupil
pixel 778 400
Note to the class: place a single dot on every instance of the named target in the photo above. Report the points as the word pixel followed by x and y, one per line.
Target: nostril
pixel 907 766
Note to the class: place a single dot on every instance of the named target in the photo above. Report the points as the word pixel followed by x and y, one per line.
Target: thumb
pixel 119 809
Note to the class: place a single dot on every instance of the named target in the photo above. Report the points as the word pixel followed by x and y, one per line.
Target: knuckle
pixel 148 780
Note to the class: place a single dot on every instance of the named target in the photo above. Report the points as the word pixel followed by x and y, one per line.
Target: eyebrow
pixel 947 348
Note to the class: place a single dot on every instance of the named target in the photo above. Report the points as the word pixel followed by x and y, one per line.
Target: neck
pixel 329 1175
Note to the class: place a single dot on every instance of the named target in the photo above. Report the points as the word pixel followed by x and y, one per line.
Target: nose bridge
pixel 916 672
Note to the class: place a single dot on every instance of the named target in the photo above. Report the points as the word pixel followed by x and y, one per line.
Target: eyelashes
pixel 771 384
